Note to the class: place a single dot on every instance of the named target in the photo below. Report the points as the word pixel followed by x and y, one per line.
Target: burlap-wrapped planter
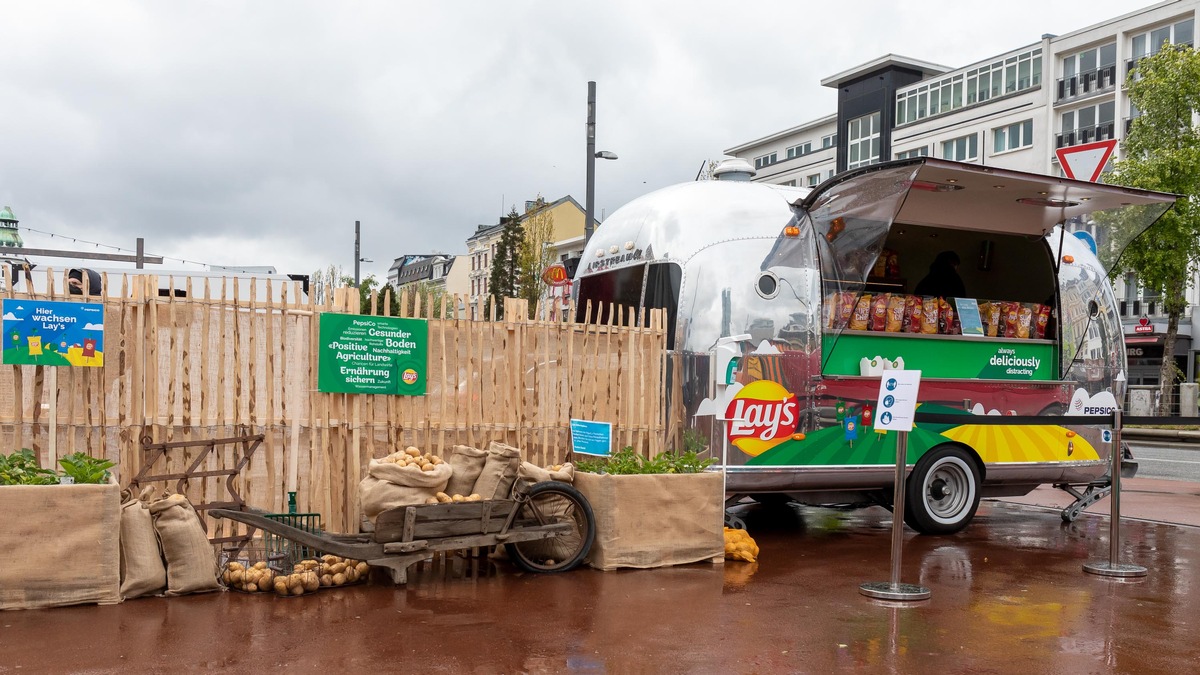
pixel 655 520
pixel 61 545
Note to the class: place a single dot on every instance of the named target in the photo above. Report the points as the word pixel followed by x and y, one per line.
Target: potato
pixel 225 577
pixel 443 497
pixel 236 576
pixel 296 590
pixel 327 580
pixel 260 565
pixel 235 566
pixel 339 579
pixel 431 500
pixel 267 578
pixel 338 568
pixel 437 460
pixel 412 451
pixel 362 568
pixel 428 466
pixel 474 498
pixel 311 581
pixel 252 588
pixel 351 575
pixel 329 558
pixel 281 587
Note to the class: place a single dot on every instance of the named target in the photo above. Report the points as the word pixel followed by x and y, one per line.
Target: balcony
pixel 1130 64
pixel 1092 81
pixel 1100 132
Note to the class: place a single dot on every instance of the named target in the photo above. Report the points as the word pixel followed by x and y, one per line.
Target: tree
pixel 503 281
pixel 1162 152
pixel 534 253
pixel 324 281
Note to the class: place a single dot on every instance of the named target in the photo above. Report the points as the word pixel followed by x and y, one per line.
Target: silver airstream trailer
pixel 785 306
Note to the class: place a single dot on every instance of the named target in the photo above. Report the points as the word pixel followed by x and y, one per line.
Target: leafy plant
pixel 21 468
pixel 626 461
pixel 85 469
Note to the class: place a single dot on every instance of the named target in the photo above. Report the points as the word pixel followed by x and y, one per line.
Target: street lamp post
pixel 357 253
pixel 589 222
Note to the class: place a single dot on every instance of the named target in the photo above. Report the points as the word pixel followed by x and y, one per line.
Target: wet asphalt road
pixel 1008 596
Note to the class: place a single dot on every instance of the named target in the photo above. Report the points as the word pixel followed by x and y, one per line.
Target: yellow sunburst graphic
pixel 1021 443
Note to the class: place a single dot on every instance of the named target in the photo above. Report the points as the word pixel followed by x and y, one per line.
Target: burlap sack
pixel 499 472
pixel 191 563
pixel 60 545
pixel 389 485
pixel 142 568
pixel 467 463
pixel 654 520
pixel 535 474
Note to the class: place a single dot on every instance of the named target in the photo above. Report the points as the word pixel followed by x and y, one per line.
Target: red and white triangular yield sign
pixel 1085 162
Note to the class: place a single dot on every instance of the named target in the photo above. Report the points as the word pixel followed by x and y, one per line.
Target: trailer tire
pixel 942 492
pixel 552 501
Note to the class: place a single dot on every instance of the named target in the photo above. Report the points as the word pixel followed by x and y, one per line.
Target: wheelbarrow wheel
pixel 553 502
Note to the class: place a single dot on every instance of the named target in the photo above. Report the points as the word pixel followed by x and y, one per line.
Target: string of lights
pixel 97 244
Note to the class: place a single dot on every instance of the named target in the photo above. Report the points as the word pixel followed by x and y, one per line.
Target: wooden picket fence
pixel 226 357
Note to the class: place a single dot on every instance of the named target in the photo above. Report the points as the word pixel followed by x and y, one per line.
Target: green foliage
pixel 503 281
pixel 534 253
pixel 1162 152
pixel 626 461
pixel 84 469
pixel 21 468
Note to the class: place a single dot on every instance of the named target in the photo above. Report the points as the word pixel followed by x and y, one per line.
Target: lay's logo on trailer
pixel 762 415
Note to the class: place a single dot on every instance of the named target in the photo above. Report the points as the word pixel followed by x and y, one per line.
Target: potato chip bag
pixel 895 313
pixel 947 318
pixel 1010 313
pixel 912 312
pixel 879 312
pixel 1040 320
pixel 991 319
pixel 1024 321
pixel 861 317
pixel 929 315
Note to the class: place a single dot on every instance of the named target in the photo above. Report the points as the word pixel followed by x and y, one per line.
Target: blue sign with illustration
pixel 46 333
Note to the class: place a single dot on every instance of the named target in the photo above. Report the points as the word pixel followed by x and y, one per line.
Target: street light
pixel 589 223
pixel 357 253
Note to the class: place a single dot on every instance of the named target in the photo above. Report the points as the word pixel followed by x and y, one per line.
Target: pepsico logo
pixel 410 376
pixel 762 415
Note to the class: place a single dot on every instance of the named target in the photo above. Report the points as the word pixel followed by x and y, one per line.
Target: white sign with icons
pixel 897 400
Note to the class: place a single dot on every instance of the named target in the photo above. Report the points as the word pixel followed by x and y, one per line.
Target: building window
pixel 799 150
pixel 922 151
pixel 1005 76
pixel 1151 42
pixel 813 180
pixel 1088 124
pixel 829 174
pixel 828 141
pixel 1088 71
pixel 788 183
pixel 1013 136
pixel 961 149
pixel 765 160
pixel 863 140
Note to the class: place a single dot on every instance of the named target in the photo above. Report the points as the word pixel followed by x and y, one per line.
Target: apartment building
pixel 1012 111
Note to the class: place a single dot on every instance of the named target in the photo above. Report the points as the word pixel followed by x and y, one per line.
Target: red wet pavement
pixel 1168 501
pixel 1008 596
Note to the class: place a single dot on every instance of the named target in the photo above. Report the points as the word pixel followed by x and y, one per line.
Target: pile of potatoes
pixel 411 456
pixel 443 498
pixel 256 578
pixel 335 571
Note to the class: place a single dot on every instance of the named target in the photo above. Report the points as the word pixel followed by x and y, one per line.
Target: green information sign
pixel 944 356
pixel 372 355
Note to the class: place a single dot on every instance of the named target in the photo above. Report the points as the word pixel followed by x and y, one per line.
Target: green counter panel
pixel 946 356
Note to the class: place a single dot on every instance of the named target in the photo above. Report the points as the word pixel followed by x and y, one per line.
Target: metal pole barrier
pixel 894 590
pixel 1112 568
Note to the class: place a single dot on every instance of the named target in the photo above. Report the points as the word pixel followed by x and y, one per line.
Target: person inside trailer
pixel 943 280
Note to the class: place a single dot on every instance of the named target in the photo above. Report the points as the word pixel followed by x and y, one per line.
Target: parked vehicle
pixel 785 307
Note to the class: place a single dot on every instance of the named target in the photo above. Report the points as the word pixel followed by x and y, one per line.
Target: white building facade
pixel 1011 111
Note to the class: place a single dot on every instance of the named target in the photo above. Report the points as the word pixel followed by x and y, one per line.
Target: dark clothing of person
pixel 943 280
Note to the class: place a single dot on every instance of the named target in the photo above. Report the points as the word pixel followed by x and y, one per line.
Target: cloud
pixel 94 326
pixel 11 317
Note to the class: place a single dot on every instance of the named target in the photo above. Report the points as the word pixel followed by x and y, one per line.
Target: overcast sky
pixel 256 133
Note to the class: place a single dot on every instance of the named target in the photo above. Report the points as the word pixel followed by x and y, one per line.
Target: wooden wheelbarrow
pixel 546 527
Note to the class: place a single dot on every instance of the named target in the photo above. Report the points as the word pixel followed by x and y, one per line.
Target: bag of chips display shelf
pixel 1041 318
pixel 1011 314
pixel 879 312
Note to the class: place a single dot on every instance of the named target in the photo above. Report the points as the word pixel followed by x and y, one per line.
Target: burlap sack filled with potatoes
pixel 400 479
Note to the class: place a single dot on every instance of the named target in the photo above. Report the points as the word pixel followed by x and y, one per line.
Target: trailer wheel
pixel 942 492
pixel 552 502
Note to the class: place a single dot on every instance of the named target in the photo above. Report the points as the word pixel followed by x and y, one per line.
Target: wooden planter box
pixel 61 545
pixel 655 520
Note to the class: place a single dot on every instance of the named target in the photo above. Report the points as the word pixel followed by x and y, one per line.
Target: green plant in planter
pixel 626 461
pixel 85 469
pixel 21 468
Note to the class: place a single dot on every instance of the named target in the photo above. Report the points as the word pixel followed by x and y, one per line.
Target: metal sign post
pixel 1112 568
pixel 897 404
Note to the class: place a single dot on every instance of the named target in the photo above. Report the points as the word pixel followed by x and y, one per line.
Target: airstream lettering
pixel 785 306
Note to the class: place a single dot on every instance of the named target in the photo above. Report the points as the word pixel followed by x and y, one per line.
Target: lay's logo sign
pixel 762 415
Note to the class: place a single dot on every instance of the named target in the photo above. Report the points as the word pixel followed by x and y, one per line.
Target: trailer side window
pixel 621 287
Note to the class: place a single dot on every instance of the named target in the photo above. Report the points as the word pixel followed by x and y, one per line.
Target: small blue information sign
pixel 968 316
pixel 591 438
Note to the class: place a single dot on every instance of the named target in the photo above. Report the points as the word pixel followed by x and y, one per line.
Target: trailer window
pixel 659 282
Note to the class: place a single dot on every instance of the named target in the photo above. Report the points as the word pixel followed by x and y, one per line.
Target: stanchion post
pixel 1112 568
pixel 893 589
